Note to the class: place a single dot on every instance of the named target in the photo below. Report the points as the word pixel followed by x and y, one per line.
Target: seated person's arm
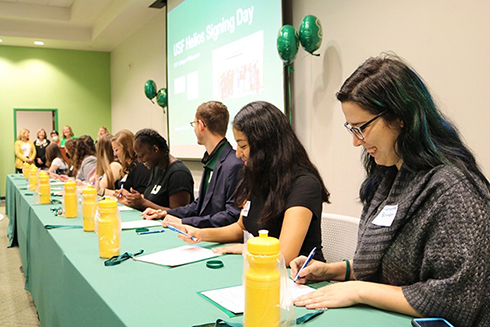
pixel 293 232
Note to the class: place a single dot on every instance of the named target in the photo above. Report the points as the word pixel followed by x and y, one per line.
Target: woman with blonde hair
pixel 41 144
pixel 67 135
pixel 108 170
pixel 24 150
pixel 133 174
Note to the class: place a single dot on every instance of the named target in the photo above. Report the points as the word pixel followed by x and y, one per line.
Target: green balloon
pixel 150 89
pixel 310 33
pixel 287 43
pixel 162 97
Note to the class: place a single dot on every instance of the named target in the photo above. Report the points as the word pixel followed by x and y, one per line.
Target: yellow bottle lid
pixel 43 176
pixel 89 190
pixel 263 244
pixel 33 168
pixel 107 203
pixel 70 184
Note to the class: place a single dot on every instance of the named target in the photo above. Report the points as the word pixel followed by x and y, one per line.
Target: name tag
pixel 245 209
pixel 386 216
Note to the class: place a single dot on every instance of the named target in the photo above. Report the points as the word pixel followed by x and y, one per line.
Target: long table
pixel 71 286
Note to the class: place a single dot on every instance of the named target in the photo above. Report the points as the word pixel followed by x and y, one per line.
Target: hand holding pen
pixel 187 233
pixel 308 259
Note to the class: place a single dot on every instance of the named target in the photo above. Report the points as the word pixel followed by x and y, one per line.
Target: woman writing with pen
pixel 423 246
pixel 281 189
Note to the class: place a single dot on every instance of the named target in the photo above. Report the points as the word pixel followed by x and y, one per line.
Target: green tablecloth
pixel 71 286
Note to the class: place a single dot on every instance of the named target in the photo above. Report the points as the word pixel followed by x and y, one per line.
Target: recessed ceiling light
pixel 1 40
pixel 38 43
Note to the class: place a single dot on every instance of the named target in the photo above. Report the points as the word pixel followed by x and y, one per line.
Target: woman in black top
pixel 41 144
pixel 171 184
pixel 133 173
pixel 281 189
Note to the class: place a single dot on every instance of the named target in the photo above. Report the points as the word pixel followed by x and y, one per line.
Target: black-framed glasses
pixel 357 130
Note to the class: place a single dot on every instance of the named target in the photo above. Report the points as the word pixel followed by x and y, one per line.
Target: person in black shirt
pixel 171 184
pixel 281 189
pixel 133 173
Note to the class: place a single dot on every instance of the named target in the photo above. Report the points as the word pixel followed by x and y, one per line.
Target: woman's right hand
pixel 191 232
pixel 315 270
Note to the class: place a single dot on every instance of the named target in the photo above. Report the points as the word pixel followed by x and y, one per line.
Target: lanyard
pixel 117 259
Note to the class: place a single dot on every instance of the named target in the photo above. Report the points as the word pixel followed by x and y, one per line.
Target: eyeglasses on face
pixel 193 123
pixel 357 130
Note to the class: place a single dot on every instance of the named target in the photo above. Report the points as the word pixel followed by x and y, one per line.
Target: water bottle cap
pixel 89 190
pixel 107 203
pixel 33 168
pixel 43 176
pixel 264 244
pixel 70 184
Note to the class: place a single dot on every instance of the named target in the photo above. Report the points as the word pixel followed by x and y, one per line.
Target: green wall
pixel 77 83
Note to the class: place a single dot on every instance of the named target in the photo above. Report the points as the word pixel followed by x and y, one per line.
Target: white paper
pixel 233 298
pixel 178 256
pixel 140 224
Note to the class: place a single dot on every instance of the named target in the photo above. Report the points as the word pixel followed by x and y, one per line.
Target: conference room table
pixel 71 286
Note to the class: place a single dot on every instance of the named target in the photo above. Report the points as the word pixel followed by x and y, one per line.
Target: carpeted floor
pixel 16 305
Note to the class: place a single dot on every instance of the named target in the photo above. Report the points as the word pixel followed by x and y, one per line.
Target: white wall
pixel 139 58
pixel 446 41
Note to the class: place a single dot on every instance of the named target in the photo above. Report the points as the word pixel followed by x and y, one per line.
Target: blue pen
pixel 310 256
pixel 152 232
pixel 180 232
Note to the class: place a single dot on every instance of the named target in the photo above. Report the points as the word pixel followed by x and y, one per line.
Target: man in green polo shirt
pixel 215 205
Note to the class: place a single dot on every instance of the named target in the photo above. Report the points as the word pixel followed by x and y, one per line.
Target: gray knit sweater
pixel 437 248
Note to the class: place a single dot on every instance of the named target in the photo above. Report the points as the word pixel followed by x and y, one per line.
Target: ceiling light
pixel 1 40
pixel 38 42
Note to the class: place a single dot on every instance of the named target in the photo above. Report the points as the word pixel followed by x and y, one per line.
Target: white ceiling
pixel 98 25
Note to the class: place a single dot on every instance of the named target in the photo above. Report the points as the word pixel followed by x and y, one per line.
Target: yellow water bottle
pixel 70 199
pixel 33 178
pixel 25 169
pixel 89 207
pixel 262 282
pixel 44 188
pixel 108 228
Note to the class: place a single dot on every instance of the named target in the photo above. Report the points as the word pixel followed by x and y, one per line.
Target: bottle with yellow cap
pixel 25 169
pixel 262 282
pixel 108 228
pixel 33 178
pixel 44 189
pixel 70 206
pixel 89 207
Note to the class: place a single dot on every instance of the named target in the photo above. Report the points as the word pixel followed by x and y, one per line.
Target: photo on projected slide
pixel 238 68
pixel 223 50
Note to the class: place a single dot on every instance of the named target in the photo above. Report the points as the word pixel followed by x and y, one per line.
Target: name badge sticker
pixel 386 216
pixel 245 209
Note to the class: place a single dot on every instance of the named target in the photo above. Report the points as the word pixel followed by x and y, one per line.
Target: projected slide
pixel 222 50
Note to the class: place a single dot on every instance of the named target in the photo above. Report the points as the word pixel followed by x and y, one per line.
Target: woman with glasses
pixel 281 190
pixel 423 246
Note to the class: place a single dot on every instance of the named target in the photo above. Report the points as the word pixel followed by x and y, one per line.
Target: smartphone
pixel 430 322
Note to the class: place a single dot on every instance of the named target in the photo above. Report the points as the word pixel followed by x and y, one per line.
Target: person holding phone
pixel 423 246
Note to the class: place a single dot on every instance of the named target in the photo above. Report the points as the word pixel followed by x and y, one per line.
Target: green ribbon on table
pixel 221 323
pixel 62 226
pixel 117 259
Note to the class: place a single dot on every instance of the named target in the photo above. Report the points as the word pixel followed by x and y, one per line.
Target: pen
pixel 180 232
pixel 310 256
pixel 152 232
